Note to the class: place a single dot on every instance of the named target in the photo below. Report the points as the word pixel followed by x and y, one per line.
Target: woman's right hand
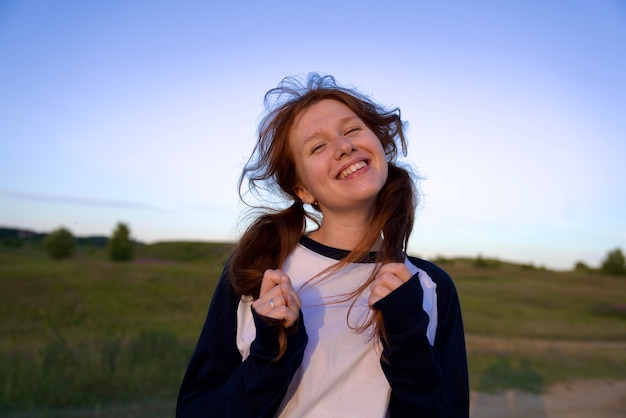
pixel 278 299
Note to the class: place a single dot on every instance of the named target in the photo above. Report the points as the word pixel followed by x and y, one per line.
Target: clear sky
pixel 145 112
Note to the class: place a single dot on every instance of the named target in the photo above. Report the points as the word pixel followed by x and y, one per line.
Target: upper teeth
pixel 354 167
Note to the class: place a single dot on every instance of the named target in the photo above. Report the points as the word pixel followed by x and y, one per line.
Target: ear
pixel 304 195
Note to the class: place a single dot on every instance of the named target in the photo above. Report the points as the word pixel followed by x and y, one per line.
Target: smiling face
pixel 340 162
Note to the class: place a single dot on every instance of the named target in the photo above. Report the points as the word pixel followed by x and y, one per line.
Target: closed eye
pixel 317 148
pixel 352 130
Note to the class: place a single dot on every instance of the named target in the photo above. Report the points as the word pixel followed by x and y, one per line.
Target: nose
pixel 343 147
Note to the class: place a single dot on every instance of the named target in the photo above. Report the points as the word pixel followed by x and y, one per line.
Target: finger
pixel 388 280
pixel 277 278
pixel 377 293
pixel 272 309
pixel 385 282
pixel 276 302
pixel 286 314
pixel 269 301
pixel 289 293
pixel 400 270
pixel 292 299
pixel 278 299
pixel 271 278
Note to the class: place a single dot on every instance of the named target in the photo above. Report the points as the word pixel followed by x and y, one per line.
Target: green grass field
pixel 87 333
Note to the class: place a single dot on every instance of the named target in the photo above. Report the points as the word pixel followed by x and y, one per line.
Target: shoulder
pixel 437 274
pixel 224 288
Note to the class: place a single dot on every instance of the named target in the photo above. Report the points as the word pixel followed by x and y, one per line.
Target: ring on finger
pixel 272 306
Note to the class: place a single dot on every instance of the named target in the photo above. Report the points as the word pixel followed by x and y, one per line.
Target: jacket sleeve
pixel 426 380
pixel 218 384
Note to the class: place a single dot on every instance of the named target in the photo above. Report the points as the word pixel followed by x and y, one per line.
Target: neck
pixel 343 233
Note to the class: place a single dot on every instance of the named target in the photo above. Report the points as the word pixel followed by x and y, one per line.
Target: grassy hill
pixel 85 332
pixel 529 328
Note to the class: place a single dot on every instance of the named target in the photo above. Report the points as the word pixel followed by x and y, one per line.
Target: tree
pixel 614 263
pixel 60 244
pixel 581 267
pixel 120 246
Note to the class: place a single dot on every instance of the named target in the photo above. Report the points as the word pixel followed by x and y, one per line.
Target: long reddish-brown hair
pixel 271 170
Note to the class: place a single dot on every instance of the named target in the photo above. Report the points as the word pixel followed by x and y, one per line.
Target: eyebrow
pixel 318 132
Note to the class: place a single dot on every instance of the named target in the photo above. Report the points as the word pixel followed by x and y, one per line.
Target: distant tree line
pixel 61 243
pixel 14 237
pixel 614 264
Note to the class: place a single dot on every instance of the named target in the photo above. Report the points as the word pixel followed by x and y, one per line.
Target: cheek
pixel 310 177
pixel 384 164
pixel 305 176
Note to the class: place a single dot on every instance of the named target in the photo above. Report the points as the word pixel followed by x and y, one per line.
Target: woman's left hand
pixel 389 278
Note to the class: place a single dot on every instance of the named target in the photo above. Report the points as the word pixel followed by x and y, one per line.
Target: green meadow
pixel 88 334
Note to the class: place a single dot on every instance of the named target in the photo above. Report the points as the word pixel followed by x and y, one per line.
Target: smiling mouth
pixel 352 169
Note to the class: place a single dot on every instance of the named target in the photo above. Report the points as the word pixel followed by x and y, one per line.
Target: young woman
pixel 336 321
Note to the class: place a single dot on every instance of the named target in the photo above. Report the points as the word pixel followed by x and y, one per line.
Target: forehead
pixel 318 116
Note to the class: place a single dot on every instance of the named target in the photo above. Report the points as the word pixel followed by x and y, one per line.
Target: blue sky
pixel 145 112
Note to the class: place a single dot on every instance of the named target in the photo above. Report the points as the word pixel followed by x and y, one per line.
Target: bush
pixel 60 244
pixel 120 247
pixel 443 260
pixel 614 263
pixel 582 267
pixel 485 262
